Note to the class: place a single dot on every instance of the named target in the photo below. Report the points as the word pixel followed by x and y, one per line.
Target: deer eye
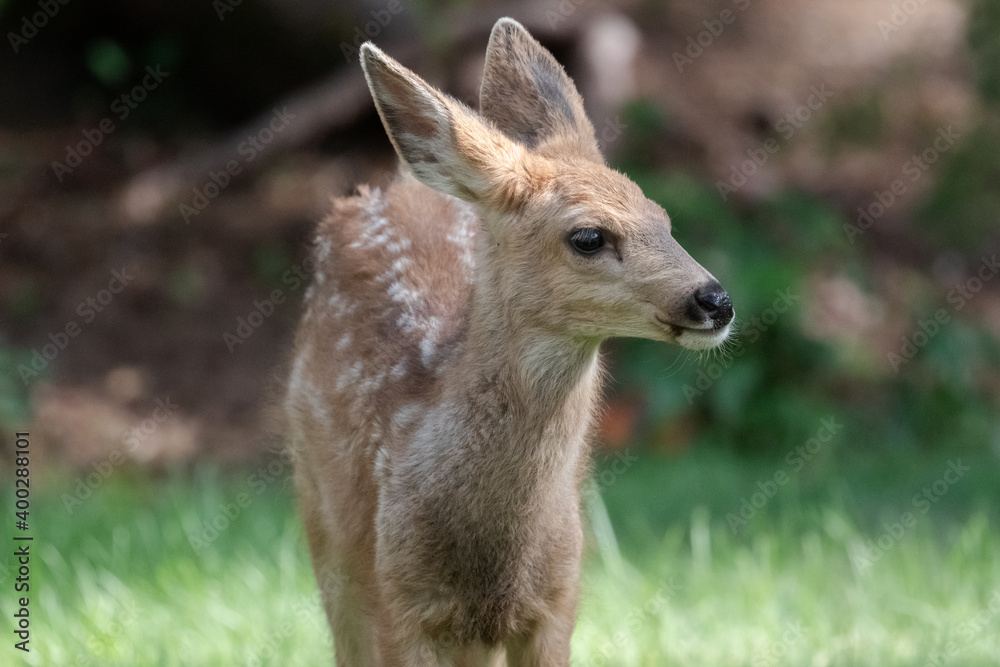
pixel 587 240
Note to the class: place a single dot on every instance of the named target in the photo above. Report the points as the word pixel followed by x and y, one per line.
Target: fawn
pixel 446 369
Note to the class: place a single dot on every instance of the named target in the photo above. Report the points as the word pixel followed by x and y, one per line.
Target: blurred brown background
pixel 162 165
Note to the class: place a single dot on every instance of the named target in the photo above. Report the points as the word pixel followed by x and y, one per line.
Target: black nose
pixel 711 301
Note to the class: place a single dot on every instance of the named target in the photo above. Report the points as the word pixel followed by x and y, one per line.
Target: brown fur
pixel 446 369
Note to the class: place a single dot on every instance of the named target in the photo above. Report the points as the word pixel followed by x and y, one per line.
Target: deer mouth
pixel 697 338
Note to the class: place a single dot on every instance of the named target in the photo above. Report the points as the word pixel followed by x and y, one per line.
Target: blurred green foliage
pixel 15 404
pixel 773 387
pixel 271 261
pixel 983 28
pixel 860 121
pixel 109 62
pixel 770 390
pixel 962 209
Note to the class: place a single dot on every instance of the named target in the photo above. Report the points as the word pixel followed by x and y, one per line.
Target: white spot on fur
pixel 372 235
pixel 407 322
pixel 350 375
pixel 399 370
pixel 428 346
pixel 323 244
pixel 405 415
pixel 381 463
pixel 399 246
pixel 373 383
pixel 464 232
pixel 320 410
pixel 439 424
pixel 340 305
pixel 297 380
pixel 396 271
pixel 344 341
pixel 324 249
pixel 301 389
pixel 402 293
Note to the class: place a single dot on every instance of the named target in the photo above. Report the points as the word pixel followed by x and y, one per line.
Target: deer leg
pixel 343 600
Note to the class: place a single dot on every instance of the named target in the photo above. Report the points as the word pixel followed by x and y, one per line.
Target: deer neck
pixel 538 387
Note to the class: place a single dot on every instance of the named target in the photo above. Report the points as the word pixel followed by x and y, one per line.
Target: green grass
pixel 118 582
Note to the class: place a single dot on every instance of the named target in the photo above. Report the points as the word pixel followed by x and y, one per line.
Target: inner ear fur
pixel 527 94
pixel 445 144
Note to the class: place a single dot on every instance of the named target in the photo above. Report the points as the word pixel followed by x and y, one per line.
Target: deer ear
pixel 528 95
pixel 445 144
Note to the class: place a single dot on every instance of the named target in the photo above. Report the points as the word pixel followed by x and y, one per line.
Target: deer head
pixel 571 246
